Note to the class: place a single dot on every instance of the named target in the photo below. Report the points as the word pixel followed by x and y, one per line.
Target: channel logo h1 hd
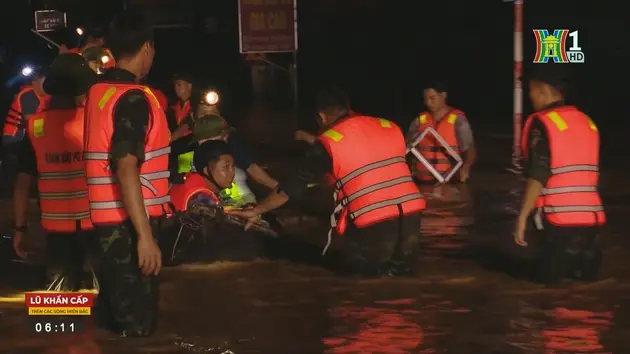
pixel 554 47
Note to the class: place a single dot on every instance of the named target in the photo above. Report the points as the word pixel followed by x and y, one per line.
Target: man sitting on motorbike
pixel 200 210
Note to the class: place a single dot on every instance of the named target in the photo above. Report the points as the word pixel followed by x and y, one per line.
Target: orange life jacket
pixel 181 112
pixel 570 197
pixel 430 147
pixel 57 139
pixel 373 181
pixel 161 97
pixel 15 120
pixel 104 193
pixel 193 183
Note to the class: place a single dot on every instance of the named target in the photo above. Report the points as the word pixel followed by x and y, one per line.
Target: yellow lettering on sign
pixel 276 20
pixel 257 21
pixel 38 127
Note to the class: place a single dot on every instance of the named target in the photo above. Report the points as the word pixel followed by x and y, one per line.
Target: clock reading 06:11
pixel 60 325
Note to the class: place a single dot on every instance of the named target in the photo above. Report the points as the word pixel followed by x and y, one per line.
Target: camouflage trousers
pixel 127 302
pixel 390 247
pixel 66 254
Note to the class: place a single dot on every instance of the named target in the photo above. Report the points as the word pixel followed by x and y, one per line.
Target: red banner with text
pixel 267 26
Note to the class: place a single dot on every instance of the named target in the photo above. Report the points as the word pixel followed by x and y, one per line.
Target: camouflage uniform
pixel 128 300
pixel 387 248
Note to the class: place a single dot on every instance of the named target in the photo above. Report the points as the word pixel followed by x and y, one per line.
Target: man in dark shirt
pixel 128 298
pixel 387 247
pixel 559 251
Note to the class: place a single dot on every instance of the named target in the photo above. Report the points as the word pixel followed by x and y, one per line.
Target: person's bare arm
pixel 261 176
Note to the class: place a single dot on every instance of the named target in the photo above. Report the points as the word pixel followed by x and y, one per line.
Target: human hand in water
pixel 519 232
pixel 18 238
pixel 251 215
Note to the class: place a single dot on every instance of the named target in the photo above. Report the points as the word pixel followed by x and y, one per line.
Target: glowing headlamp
pixel 79 31
pixel 105 59
pixel 211 97
pixel 27 71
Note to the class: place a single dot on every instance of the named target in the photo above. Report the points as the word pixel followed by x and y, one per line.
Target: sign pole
pixel 53 43
pixel 295 57
pixel 518 88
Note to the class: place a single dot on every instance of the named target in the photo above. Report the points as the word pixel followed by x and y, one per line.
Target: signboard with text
pixel 267 26
pixel 49 20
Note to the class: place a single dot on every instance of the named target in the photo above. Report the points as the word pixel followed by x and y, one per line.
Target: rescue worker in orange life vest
pixel 52 153
pixel 30 100
pixel 183 108
pixel 562 211
pixel 452 125
pixel 377 203
pixel 126 162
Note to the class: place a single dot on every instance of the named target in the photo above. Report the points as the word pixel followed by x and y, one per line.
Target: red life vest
pixel 372 180
pixel 161 97
pixel 430 147
pixel 15 120
pixel 104 193
pixel 57 139
pixel 570 197
pixel 193 183
pixel 181 112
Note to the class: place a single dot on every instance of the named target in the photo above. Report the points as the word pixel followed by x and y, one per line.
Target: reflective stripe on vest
pixel 366 189
pixel 431 149
pixel 570 197
pixel 57 140
pixel 106 206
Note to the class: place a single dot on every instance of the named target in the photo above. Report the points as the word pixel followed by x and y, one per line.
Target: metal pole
pixel 45 38
pixel 518 89
pixel 295 56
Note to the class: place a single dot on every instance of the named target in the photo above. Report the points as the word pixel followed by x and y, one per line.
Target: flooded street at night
pixel 462 301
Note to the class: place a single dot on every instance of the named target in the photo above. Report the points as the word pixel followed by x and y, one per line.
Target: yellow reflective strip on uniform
pixel 185 162
pixel 592 124
pixel 557 120
pixel 334 135
pixel 385 123
pixel 422 119
pixel 38 127
pixel 150 93
pixel 108 94
pixel 452 118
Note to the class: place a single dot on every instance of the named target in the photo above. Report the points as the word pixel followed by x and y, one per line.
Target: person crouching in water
pixel 214 171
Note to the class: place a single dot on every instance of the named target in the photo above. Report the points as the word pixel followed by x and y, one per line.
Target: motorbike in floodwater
pixel 206 233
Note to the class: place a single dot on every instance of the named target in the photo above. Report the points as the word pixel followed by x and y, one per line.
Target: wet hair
pixel 332 101
pixel 438 85
pixel 128 32
pixel 209 151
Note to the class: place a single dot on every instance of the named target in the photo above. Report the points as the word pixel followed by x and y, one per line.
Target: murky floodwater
pixel 456 304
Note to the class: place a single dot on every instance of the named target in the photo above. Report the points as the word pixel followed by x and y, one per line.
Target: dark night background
pixel 380 51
